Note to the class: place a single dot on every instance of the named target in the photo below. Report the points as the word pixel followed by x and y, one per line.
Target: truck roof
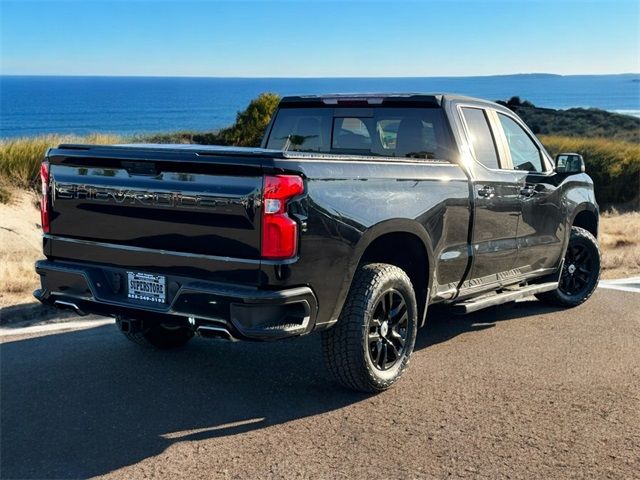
pixel 413 99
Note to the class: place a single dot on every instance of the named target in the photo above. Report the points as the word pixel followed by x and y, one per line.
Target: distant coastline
pixel 631 113
pixel 531 75
pixel 35 105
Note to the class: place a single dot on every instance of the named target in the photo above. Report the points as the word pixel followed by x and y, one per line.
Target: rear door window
pixel 481 137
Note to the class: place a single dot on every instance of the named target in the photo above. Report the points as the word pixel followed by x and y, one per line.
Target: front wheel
pixel 580 272
pixel 369 347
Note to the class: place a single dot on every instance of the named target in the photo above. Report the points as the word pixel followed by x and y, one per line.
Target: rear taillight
pixel 45 204
pixel 279 231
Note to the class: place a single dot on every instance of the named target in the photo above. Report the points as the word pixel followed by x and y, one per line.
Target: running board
pixel 475 304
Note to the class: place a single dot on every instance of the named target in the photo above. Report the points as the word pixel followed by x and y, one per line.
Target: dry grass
pixel 613 165
pixel 620 243
pixel 16 272
pixel 4 195
pixel 20 157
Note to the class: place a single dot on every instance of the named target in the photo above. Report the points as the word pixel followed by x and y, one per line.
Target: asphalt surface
pixel 518 391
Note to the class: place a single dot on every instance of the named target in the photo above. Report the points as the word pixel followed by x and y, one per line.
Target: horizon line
pixel 257 77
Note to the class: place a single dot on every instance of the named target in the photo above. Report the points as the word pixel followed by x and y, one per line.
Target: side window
pixel 481 137
pixel 525 154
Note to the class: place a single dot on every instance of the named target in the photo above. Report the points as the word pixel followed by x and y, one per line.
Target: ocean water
pixel 80 105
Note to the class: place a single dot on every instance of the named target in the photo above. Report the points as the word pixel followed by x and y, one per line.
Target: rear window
pixel 389 132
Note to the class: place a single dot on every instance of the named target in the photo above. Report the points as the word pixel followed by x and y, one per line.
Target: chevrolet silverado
pixel 357 213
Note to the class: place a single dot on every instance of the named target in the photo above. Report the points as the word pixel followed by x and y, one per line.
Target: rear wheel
pixel 369 347
pixel 159 335
pixel 580 272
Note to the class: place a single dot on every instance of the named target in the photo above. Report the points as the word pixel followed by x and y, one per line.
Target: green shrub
pixel 247 131
pixel 183 137
pixel 614 165
pixel 250 123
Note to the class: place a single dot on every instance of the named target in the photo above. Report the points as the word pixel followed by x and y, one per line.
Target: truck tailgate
pixel 165 203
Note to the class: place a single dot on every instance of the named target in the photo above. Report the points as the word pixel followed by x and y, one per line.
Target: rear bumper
pixel 245 312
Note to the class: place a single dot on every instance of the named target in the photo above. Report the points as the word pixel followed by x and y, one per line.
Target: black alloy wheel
pixel 388 330
pixel 578 269
pixel 369 347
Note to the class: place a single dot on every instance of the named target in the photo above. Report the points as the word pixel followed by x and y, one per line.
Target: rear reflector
pixel 279 231
pixel 44 200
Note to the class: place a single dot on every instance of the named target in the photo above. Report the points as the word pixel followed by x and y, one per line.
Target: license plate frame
pixel 147 287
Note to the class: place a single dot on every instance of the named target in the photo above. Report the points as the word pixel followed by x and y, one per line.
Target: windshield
pixel 379 131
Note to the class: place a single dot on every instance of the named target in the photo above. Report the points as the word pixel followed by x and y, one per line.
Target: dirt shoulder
pixel 20 247
pixel 620 244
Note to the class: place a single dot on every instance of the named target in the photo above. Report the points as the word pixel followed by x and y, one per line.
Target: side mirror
pixel 569 163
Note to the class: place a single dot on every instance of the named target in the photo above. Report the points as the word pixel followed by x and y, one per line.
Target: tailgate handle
pixel 140 168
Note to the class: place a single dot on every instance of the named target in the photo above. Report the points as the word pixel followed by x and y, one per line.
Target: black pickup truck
pixel 357 213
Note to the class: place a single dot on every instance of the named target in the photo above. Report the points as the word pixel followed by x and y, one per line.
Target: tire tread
pixel 555 297
pixel 342 343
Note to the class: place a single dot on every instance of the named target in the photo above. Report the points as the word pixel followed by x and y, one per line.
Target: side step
pixel 475 304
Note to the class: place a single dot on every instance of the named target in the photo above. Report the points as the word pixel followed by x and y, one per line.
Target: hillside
pixel 576 122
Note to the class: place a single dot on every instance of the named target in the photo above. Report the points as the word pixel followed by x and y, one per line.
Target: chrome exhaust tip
pixel 208 331
pixel 69 306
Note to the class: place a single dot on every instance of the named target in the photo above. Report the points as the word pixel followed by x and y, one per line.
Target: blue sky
pixel 319 38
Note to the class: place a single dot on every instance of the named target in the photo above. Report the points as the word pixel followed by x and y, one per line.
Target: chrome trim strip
pixel 377 160
pixel 466 292
pixel 155 251
pixel 170 252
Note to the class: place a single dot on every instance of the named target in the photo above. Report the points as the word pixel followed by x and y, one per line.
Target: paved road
pixel 519 391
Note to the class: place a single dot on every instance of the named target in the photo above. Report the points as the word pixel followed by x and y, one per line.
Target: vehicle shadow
pixel 443 325
pixel 86 403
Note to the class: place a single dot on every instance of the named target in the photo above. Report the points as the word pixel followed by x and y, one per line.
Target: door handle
pixel 486 191
pixel 528 191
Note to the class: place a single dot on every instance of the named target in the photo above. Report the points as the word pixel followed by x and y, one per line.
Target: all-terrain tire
pixel 584 242
pixel 346 345
pixel 160 336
